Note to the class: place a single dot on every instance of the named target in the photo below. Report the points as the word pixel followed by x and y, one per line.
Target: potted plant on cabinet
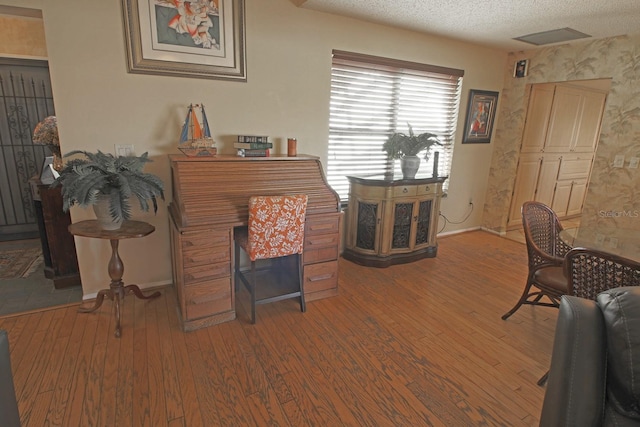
pixel 407 147
pixel 107 183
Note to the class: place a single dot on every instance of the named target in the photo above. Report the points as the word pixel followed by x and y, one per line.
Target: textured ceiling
pixel 491 23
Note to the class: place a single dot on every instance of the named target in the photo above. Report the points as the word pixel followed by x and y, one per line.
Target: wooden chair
pixel 591 272
pixel 546 251
pixel 275 230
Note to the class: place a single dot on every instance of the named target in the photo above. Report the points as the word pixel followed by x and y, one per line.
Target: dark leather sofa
pixel 594 378
pixel 9 416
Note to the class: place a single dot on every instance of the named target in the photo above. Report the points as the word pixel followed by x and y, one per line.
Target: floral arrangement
pixel 46 133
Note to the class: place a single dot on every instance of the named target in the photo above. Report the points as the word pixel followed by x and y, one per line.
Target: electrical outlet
pixel 613 242
pixel 124 149
pixel 633 162
pixel 618 162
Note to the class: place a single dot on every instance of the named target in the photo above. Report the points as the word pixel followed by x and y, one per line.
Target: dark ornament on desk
pixel 407 147
pixel 195 138
pixel 107 183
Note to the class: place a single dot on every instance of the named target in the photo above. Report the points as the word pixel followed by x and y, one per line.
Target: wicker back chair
pixel 591 272
pixel 546 251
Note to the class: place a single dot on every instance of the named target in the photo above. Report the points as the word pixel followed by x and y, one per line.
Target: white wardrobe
pixel 559 140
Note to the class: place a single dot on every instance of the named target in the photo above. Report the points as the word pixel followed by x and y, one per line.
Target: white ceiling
pixel 492 23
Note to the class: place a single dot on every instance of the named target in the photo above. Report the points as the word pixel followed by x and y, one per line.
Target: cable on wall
pixel 447 221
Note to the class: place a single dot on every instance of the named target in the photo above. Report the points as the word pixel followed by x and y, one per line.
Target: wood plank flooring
pixel 418 344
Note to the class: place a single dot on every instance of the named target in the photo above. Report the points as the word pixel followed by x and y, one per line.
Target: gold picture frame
pixel 199 39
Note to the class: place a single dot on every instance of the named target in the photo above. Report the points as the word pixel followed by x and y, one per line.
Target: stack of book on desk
pixel 253 146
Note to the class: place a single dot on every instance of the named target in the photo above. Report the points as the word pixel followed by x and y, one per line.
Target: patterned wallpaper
pixel 613 196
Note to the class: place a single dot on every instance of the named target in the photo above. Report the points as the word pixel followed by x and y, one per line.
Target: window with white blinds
pixel 373 97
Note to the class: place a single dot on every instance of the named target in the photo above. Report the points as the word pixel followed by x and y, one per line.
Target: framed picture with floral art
pixel 197 38
pixel 481 112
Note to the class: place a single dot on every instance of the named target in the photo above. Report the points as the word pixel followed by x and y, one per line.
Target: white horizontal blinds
pixel 361 114
pixel 372 97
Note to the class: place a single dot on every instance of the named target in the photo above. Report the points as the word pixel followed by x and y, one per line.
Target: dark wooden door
pixel 25 99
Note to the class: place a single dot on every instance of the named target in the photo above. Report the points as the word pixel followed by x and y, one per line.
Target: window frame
pixel 345 139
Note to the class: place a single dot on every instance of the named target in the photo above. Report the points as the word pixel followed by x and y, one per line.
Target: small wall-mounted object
pixel 521 68
pixel 618 161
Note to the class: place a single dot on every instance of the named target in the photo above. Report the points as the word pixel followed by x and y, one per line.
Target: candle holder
pixel 292 147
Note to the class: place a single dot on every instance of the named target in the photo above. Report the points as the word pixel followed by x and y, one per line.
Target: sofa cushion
pixel 621 311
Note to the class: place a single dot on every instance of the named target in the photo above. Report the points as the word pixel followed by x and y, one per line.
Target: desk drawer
pixel 204 238
pixel 313 256
pixel 322 224
pixel 200 273
pixel 205 255
pixel 320 277
pixel 209 298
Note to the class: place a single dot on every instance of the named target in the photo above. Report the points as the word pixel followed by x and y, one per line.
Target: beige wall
pixel 99 104
pixel 613 192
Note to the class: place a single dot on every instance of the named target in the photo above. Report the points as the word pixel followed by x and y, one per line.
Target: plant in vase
pixel 407 147
pixel 107 182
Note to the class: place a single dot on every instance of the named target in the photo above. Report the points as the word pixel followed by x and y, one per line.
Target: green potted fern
pixel 407 147
pixel 107 183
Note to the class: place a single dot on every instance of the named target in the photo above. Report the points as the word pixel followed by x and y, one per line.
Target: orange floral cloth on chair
pixel 276 226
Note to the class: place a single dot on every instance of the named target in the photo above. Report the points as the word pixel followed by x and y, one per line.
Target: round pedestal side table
pixel 117 290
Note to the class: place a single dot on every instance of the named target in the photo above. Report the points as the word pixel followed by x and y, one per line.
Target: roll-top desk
pixel 210 198
pixel 392 221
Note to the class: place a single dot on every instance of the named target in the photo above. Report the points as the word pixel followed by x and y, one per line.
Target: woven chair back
pixel 591 272
pixel 542 233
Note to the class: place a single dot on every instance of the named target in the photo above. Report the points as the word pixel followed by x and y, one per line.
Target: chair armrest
pixel 576 385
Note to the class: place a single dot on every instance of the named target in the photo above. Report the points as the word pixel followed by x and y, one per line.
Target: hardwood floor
pixel 410 345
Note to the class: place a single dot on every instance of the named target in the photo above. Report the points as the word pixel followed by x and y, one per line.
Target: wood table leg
pixel 116 300
pixel 99 299
pixel 117 290
pixel 135 289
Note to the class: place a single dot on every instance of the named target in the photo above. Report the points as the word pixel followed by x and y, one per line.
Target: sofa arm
pixel 9 415
pixel 575 389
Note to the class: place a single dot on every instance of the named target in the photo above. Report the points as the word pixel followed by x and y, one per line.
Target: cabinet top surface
pixel 391 181
pixel 231 158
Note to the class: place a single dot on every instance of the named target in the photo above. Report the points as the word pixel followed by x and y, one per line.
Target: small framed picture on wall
pixel 521 68
pixel 481 111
